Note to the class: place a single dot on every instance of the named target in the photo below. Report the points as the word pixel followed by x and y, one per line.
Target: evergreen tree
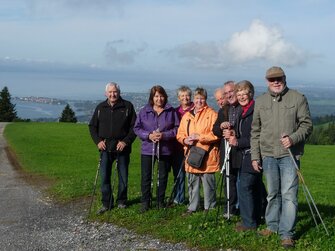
pixel 68 115
pixel 7 109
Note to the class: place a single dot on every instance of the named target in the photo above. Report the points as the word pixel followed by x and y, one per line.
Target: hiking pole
pixel 308 195
pixel 221 180
pixel 170 201
pixel 220 195
pixel 225 167
pixel 94 188
pixel 113 181
pixel 157 189
pixel 152 171
pixel 228 147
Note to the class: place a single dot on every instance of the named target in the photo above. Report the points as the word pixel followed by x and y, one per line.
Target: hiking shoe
pixel 102 210
pixel 171 205
pixel 161 205
pixel 143 210
pixel 265 232
pixel 187 213
pixel 241 228
pixel 121 206
pixel 144 207
pixel 287 243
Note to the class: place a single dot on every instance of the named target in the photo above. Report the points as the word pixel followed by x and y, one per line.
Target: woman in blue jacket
pixel 156 126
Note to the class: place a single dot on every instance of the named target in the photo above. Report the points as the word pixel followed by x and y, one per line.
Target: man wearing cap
pixel 281 120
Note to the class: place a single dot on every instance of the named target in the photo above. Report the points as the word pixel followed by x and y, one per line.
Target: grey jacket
pixel 274 115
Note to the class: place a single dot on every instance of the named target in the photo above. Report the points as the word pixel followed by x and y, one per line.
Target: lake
pixel 33 111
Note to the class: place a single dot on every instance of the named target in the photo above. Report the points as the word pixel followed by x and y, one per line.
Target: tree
pixel 7 109
pixel 68 115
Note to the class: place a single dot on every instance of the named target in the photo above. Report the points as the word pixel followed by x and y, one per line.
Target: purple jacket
pixel 148 121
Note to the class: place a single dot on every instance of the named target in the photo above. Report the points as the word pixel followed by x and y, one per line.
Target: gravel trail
pixel 31 221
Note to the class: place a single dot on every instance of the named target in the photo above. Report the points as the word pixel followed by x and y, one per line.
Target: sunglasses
pixel 277 79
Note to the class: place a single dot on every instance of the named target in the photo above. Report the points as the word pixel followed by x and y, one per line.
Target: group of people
pixel 251 136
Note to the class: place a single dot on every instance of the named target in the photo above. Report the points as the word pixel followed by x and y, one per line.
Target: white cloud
pixel 262 42
pixel 258 43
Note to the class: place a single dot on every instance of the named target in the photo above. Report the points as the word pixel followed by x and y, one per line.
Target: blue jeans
pixel 178 166
pixel 282 183
pixel 107 159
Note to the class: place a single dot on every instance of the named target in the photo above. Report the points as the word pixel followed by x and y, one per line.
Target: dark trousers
pixel 250 198
pixel 147 176
pixel 107 160
pixel 178 167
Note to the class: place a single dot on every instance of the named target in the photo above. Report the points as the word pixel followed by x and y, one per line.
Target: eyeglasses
pixel 277 79
pixel 242 94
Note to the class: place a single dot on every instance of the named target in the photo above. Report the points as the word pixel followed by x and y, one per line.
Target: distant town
pixel 321 102
pixel 42 100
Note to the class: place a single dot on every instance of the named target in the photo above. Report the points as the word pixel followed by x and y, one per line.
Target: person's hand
pixel 226 133
pixel 191 140
pixel 233 141
pixel 102 145
pixel 225 125
pixel 155 136
pixel 120 146
pixel 195 136
pixel 286 141
pixel 256 166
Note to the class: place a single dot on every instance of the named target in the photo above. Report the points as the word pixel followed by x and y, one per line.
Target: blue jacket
pixel 148 121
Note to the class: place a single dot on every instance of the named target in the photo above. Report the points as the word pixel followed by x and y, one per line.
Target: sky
pixel 72 48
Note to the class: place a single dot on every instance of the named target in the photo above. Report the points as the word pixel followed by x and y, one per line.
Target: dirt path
pixel 31 221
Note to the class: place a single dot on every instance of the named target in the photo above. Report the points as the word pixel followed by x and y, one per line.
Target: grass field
pixel 65 155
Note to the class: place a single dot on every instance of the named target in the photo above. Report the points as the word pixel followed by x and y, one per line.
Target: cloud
pixel 201 55
pixel 118 54
pixel 9 64
pixel 258 43
pixel 70 8
pixel 262 42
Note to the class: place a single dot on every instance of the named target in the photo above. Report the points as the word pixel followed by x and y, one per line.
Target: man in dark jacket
pixel 111 129
pixel 225 125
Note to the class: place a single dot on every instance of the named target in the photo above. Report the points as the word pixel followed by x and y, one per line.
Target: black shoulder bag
pixel 196 154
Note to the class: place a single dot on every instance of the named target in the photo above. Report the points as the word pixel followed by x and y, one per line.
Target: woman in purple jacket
pixel 156 125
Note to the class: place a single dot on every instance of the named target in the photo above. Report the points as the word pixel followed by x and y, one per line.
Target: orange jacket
pixel 202 123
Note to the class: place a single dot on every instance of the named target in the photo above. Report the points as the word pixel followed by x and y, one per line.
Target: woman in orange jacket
pixel 196 130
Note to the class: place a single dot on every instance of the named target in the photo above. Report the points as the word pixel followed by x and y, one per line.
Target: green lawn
pixel 66 155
